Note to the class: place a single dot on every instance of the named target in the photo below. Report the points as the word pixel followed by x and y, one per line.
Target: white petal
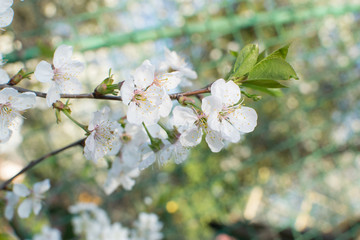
pixel 229 132
pixel 183 116
pixel 62 55
pixel 5 132
pixel 9 212
pixel 44 72
pixel 214 122
pixel 72 85
pixel 5 4
pixel 25 208
pixel 144 75
pixel 188 73
pixel 244 119
pixel 24 101
pixel 166 106
pixel 21 190
pixel 214 141
pixel 149 160
pixel 36 206
pixel 145 112
pixel 169 80
pixel 127 91
pixel 90 147
pixel 228 92
pixel 6 94
pixel 4 77
pixel 41 187
pixel 211 104
pixel 53 94
pixel 6 17
pixel 73 68
pixel 191 137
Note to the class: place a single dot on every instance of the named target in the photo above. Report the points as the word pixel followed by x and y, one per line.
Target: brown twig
pixel 37 161
pixel 106 97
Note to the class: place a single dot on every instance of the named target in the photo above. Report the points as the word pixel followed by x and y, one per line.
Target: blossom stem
pixel 148 133
pixel 84 127
pixel 33 163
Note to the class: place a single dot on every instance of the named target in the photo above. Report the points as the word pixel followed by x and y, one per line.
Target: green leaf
pixel 235 54
pixel 245 60
pixel 261 56
pixel 272 69
pixel 271 91
pixel 267 83
pixel 280 53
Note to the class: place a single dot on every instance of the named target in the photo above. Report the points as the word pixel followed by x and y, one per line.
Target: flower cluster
pixel 31 202
pixel 92 223
pixel 149 133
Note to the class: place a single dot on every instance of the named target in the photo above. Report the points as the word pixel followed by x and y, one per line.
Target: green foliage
pixel 261 72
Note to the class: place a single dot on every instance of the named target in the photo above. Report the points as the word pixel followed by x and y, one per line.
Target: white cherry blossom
pixel 120 174
pixel 176 63
pixel 33 197
pixel 48 233
pixel 6 13
pixel 192 123
pixel 104 136
pixel 147 227
pixel 63 74
pixel 225 114
pixel 146 101
pixel 11 104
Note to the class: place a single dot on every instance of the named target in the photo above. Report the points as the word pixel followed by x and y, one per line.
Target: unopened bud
pixel 18 77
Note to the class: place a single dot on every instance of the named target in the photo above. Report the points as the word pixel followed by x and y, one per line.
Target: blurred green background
pixel 299 169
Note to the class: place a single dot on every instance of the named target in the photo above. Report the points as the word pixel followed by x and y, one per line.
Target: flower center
pixel 5 109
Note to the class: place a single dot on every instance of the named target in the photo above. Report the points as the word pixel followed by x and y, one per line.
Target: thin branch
pixel 106 97
pixel 39 160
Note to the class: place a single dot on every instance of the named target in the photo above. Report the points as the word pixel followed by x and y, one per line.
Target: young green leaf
pixel 280 53
pixel 272 69
pixel 245 60
pixel 267 83
pixel 271 91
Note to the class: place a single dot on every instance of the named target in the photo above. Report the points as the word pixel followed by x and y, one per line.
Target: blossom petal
pixel 147 161
pixel 53 94
pixel 165 106
pixel 229 132
pixel 6 17
pixel 170 80
pixel 145 112
pixel 214 141
pixel 4 77
pixel 244 119
pixel 191 137
pixel 23 101
pixel 214 122
pixel 44 72
pixel 211 104
pixel 21 190
pixel 228 92
pixel 5 4
pixel 62 55
pixel 144 75
pixel 25 208
pixel 127 91
pixel 5 132
pixel 183 116
pixel 41 187
pixel 36 206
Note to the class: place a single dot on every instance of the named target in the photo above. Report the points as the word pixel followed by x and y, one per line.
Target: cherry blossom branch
pixel 106 97
pixel 39 160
